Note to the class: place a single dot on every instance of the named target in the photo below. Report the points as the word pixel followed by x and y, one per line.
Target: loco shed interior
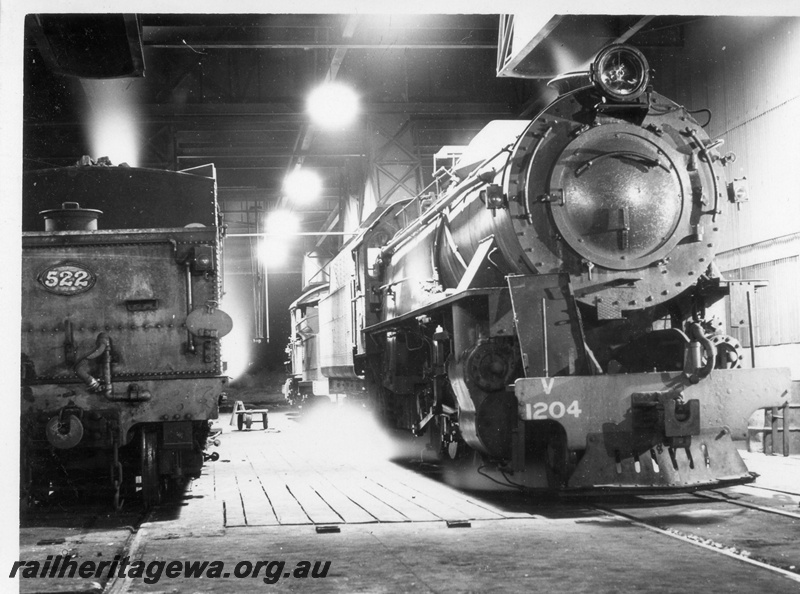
pixel 193 89
pixel 562 250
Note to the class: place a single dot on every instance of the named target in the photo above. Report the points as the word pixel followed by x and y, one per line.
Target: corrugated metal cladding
pixel 745 70
pixel 777 306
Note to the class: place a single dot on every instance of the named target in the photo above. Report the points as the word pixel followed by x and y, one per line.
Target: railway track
pixel 87 535
pixel 732 499
pixel 754 524
pixel 385 512
pixel 758 526
pixel 60 533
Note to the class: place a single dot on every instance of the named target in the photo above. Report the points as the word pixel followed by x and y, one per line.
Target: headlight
pixel 621 72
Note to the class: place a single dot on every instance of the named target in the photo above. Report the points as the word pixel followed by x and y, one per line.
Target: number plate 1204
pixel 542 411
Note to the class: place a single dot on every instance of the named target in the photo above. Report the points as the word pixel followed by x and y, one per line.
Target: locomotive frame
pixel 554 312
pixel 121 362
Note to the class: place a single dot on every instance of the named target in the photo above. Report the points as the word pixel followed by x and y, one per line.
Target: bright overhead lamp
pixel 332 106
pixel 302 185
pixel 282 223
pixel 273 251
pixel 279 225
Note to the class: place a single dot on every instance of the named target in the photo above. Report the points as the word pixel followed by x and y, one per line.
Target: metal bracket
pixel 666 412
pixel 494 198
pixel 557 196
pixel 738 191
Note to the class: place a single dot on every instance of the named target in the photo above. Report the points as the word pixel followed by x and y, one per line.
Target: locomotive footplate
pixel 653 430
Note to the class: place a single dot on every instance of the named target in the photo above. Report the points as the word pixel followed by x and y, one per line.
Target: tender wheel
pixel 34 486
pixel 265 420
pixel 151 483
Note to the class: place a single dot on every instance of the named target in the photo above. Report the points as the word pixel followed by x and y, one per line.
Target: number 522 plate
pixel 67 279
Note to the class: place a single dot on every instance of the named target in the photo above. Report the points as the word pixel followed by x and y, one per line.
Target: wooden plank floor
pixel 325 469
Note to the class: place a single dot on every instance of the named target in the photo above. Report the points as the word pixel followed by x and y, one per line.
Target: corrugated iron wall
pixel 777 306
pixel 777 318
pixel 745 70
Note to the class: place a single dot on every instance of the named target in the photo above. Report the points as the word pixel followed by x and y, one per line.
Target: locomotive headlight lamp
pixel 621 72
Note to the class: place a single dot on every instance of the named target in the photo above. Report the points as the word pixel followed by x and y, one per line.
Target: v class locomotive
pixel 552 309
pixel 121 362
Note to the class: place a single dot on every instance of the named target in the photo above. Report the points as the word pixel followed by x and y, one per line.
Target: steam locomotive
pixel 554 309
pixel 121 362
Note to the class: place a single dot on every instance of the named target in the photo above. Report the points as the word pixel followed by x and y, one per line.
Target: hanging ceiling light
pixel 279 226
pixel 302 185
pixel 332 106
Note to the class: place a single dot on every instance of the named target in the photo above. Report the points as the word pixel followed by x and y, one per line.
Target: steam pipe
pixel 81 368
pixel 475 178
pixel 189 299
pixel 696 332
pixel 426 218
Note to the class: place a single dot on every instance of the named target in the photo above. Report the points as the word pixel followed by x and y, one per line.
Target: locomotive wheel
pixel 151 483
